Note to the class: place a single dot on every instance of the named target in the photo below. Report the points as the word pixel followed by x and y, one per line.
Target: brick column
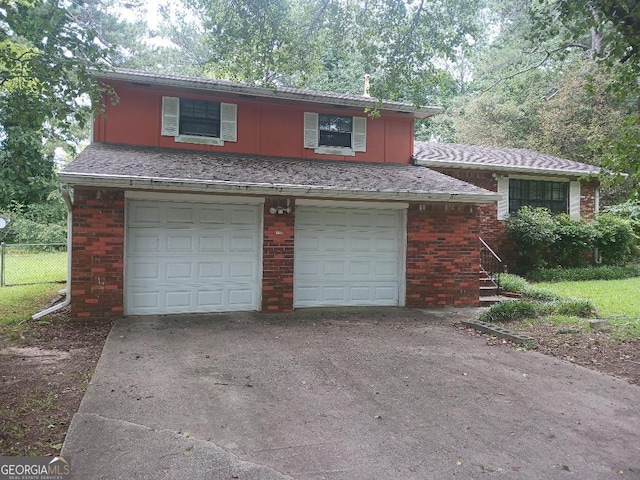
pixel 443 255
pixel 97 253
pixel 277 256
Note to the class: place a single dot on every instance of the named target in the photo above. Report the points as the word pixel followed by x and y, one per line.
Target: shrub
pixel 533 232
pixel 629 209
pixel 511 310
pixel 585 274
pixel 574 308
pixel 37 223
pixel 512 283
pixel 616 242
pixel 574 242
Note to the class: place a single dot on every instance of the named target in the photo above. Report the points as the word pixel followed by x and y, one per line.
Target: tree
pixel 332 43
pixel 46 51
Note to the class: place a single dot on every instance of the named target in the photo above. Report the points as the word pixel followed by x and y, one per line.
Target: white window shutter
pixel 170 116
pixel 574 199
pixel 359 142
pixel 310 130
pixel 229 122
pixel 503 203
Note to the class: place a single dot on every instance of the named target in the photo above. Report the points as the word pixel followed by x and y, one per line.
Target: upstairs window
pixel 199 121
pixel 335 134
pixel 335 131
pixel 201 118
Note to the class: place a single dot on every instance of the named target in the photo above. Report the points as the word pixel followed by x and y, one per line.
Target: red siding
pixel 442 255
pixel 98 253
pixel 277 260
pixel 265 127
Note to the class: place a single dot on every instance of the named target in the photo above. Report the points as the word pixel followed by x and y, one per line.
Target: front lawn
pixel 26 267
pixel 20 302
pixel 615 300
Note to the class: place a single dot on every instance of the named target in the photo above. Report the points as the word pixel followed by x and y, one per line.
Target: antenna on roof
pixel 367 80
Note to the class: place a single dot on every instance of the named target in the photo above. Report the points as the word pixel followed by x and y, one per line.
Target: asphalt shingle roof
pixel 496 158
pixel 282 92
pixel 121 165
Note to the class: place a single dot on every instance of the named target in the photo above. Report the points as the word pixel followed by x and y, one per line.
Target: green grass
pixel 615 300
pixel 20 302
pixel 22 267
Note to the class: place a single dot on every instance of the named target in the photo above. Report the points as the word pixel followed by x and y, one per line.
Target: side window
pixel 199 121
pixel 559 197
pixel 335 134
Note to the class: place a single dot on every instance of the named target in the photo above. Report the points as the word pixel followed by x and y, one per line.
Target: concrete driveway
pixel 344 394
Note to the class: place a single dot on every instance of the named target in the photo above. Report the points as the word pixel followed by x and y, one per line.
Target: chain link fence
pixel 32 263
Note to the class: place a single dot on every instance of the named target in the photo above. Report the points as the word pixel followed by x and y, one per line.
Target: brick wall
pixel 97 253
pixel 277 260
pixel 491 229
pixel 442 255
pixel 588 198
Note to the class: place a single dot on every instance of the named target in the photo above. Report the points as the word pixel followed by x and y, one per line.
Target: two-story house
pixel 203 195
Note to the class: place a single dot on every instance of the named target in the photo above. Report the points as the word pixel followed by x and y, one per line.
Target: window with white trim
pixel 199 121
pixel 558 196
pixel 335 134
pixel 536 193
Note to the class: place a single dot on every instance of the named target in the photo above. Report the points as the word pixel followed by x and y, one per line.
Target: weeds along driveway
pixel 344 394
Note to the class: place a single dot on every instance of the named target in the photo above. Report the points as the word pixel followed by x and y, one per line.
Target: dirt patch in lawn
pixel 46 367
pixel 596 350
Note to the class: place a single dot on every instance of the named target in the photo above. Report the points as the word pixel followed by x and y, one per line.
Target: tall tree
pixel 331 43
pixel 47 51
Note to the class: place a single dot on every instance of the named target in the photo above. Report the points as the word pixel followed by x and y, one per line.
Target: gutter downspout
pixel 67 300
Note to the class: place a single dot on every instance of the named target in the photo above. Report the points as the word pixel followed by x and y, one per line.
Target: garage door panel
pixel 178 299
pixel 360 269
pixel 184 214
pixel 212 215
pixel 210 270
pixel 211 243
pixel 179 271
pixel 243 243
pixel 191 258
pixel 241 298
pixel 335 218
pixel 387 269
pixel 179 243
pixel 145 242
pixel 335 244
pixel 388 294
pixel 346 257
pixel 144 271
pixel 243 216
pixel 386 245
pixel 145 214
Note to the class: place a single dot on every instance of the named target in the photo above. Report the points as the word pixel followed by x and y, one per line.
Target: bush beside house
pixel 543 240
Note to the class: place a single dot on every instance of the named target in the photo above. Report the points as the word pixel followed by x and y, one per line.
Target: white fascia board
pixel 506 168
pixel 163 184
pixel 192 198
pixel 313 202
pixel 239 89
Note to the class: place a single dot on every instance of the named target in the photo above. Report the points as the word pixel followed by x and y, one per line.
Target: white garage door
pixel 191 257
pixel 347 257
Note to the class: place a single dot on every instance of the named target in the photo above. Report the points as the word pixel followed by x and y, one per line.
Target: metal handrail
pixel 495 255
pixel 492 264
